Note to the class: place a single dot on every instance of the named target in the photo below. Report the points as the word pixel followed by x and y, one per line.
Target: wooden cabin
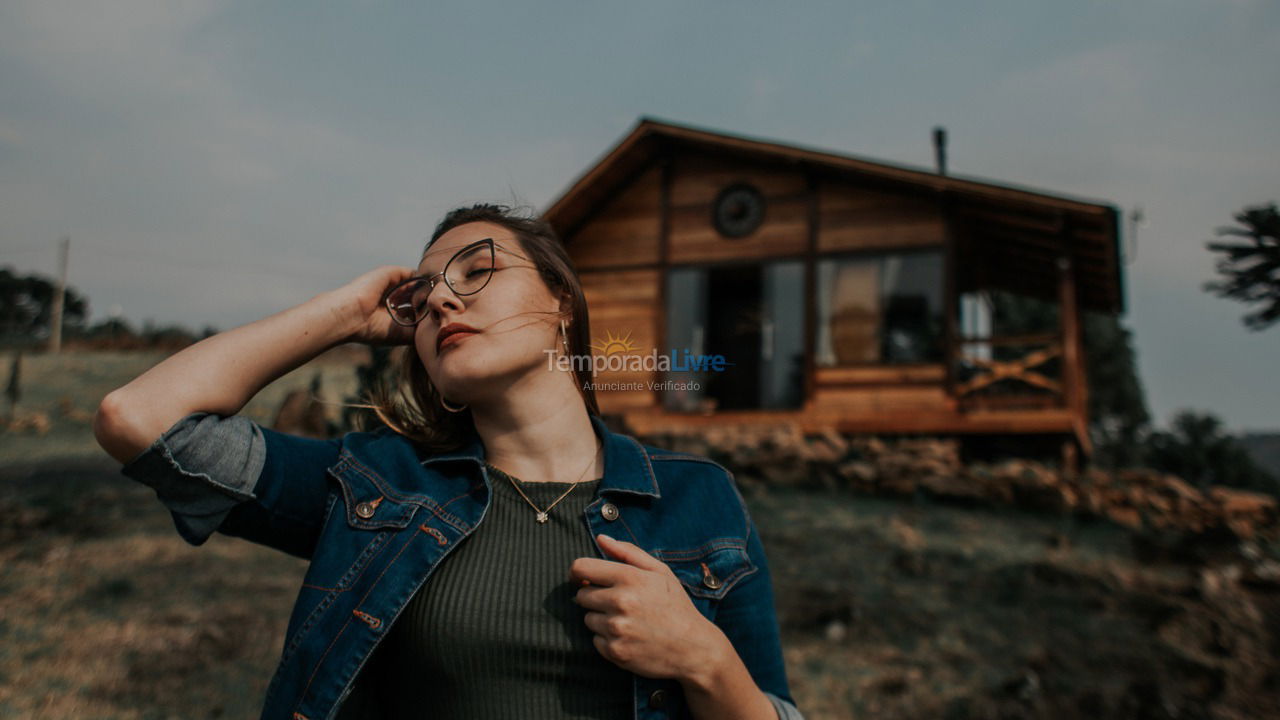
pixel 839 292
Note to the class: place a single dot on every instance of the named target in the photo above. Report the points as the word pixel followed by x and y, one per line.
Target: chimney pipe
pixel 940 148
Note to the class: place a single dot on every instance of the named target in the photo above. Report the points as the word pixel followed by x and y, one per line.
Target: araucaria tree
pixel 1251 269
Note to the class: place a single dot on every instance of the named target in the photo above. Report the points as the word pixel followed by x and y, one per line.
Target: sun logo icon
pixel 613 344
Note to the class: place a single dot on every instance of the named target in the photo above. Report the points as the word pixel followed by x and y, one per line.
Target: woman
pixel 643 593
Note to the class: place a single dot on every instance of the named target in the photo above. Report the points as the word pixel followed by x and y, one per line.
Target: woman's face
pixel 513 314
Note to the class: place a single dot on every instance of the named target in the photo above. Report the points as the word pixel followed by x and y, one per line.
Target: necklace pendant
pixel 542 517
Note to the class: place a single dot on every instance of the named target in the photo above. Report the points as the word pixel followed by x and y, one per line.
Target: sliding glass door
pixel 751 315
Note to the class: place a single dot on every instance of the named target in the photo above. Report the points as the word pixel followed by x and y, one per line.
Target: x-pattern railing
pixel 1022 369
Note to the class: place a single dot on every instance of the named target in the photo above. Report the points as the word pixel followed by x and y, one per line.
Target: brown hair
pixel 417 413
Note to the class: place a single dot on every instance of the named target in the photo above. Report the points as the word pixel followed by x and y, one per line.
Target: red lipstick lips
pixel 452 329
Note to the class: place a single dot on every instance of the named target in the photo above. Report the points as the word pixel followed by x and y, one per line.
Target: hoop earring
pixel 564 336
pixel 445 405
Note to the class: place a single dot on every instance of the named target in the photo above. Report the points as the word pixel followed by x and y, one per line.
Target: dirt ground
pixel 889 608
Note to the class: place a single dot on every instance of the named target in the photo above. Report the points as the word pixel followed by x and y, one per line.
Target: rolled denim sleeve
pixel 748 618
pixel 201 468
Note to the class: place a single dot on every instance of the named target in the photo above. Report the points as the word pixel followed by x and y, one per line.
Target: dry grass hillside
pixel 907 586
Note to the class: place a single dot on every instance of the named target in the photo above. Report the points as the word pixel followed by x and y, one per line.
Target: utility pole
pixel 55 329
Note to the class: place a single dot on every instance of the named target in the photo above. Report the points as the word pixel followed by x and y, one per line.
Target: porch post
pixel 1072 378
pixel 950 344
pixel 1067 330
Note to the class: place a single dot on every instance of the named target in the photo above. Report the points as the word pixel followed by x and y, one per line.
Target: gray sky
pixel 215 162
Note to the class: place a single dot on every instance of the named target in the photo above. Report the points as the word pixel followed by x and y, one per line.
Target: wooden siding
pixel 851 217
pixel 696 180
pixel 626 230
pixel 624 303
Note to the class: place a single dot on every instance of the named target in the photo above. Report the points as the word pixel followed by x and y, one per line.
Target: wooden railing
pixel 978 377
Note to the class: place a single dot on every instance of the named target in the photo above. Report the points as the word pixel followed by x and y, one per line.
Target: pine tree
pixel 1197 450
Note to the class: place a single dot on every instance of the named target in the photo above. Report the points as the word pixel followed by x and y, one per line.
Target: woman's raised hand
pixel 363 299
pixel 222 372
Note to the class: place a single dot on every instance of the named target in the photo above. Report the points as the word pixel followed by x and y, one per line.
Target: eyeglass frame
pixel 432 282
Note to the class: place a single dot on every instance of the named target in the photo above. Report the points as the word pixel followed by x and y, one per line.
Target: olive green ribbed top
pixel 494 632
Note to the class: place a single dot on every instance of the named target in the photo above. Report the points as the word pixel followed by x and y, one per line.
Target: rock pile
pixel 782 456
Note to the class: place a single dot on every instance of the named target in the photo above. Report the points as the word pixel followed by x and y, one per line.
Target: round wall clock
pixel 737 210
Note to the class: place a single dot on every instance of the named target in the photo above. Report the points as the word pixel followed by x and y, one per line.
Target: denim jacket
pixel 374 516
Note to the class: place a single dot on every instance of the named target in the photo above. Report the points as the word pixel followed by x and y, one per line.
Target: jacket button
pixel 709 579
pixel 658 698
pixel 609 511
pixel 364 510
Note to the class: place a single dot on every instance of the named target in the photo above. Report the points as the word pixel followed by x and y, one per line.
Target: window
pixel 885 308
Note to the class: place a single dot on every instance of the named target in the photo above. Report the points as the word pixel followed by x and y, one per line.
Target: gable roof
pixel 1094 225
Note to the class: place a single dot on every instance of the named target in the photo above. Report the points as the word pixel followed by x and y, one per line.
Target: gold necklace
pixel 542 514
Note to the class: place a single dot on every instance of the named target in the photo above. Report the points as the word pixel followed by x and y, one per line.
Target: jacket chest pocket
pixel 708 573
pixel 367 502
pixel 362 521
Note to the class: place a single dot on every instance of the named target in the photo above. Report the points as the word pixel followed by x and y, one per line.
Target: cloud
pixel 155 149
pixel 95 49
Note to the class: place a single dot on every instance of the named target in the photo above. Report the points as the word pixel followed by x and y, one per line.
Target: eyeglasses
pixel 466 273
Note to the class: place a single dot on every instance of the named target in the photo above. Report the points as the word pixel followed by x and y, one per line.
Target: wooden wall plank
pixel 856 218
pixel 624 304
pixel 697 179
pixel 880 375
pixel 625 231
pixel 882 399
pixel 619 286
